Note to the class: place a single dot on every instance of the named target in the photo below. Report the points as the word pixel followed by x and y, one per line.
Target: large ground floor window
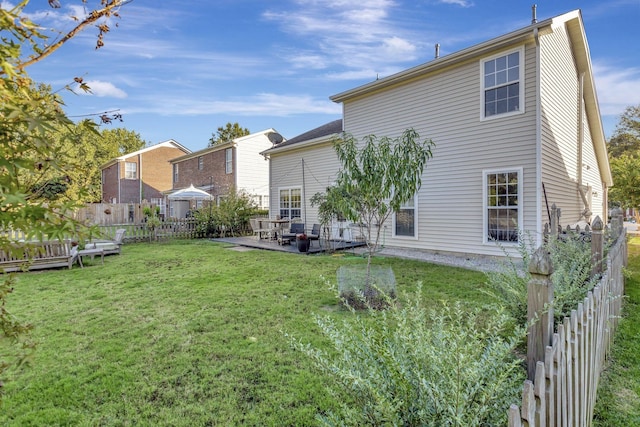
pixel 405 220
pixel 503 204
pixel 290 203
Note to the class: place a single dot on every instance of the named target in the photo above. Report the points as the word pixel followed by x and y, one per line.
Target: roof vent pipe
pixel 534 18
pixel 437 50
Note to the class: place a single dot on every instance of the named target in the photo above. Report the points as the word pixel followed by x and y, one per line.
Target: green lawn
pixel 188 333
pixel 191 333
pixel 618 402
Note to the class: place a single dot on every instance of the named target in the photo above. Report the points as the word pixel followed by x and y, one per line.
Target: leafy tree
pixel 626 177
pixel 626 139
pixel 228 133
pixel 93 148
pixel 624 158
pixel 29 116
pixel 377 178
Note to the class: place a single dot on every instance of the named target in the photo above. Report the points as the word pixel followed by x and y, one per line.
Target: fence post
pixel 555 220
pixel 597 246
pixel 539 308
pixel 617 223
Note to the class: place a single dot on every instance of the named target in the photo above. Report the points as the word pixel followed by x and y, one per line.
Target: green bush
pixel 571 277
pixel 411 366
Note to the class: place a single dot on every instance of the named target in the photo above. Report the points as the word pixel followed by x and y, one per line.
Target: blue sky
pixel 179 69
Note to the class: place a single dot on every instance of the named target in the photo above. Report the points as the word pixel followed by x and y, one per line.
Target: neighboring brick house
pixel 142 175
pixel 216 170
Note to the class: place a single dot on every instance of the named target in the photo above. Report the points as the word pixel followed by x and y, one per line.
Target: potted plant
pixel 303 242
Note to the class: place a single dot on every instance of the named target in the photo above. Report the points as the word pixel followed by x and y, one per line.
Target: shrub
pixel 410 366
pixel 571 277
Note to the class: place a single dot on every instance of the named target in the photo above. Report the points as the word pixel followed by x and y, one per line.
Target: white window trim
pixel 415 222
pixel 200 163
pixel 520 80
pixel 485 208
pixel 126 172
pixel 176 172
pixel 228 163
pixel 289 189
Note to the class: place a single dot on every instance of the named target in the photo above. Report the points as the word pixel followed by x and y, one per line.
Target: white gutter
pixel 539 209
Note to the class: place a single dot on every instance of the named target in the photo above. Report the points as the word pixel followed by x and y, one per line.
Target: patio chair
pixel 108 246
pixel 257 229
pixel 315 233
pixel 296 228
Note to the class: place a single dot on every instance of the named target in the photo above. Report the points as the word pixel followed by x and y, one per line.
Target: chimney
pixel 437 50
pixel 534 18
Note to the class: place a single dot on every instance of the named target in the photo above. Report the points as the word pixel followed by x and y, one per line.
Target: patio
pixel 317 246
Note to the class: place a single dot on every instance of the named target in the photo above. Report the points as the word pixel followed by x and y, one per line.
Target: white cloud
pixel 618 88
pixel 463 3
pixel 262 104
pixel 105 89
pixel 354 36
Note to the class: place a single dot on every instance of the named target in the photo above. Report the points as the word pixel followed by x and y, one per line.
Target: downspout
pixel 140 178
pixel 119 165
pixel 304 195
pixel 586 212
pixel 539 187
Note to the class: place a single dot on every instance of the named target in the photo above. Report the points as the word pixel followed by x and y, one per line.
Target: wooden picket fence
pixel 185 228
pixel 564 367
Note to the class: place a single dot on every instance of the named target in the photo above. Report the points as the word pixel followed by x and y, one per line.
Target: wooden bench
pixel 29 256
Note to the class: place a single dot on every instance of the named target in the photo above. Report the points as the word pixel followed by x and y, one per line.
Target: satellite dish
pixel 275 137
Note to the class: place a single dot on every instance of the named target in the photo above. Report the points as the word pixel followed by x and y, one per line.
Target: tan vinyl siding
pixel 591 174
pixel 560 125
pixel 446 107
pixel 320 170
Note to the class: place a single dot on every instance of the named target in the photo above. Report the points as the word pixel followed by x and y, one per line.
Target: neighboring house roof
pixel 170 143
pixel 221 146
pixel 319 134
pixel 575 28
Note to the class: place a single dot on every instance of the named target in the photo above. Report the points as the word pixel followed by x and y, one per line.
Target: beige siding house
pixel 517 128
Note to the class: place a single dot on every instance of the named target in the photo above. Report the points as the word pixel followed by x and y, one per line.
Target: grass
pixel 188 333
pixel 618 401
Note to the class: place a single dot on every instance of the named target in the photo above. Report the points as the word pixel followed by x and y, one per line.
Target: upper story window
pixel 130 170
pixel 228 155
pixel 175 172
pixel 502 84
pixel 200 163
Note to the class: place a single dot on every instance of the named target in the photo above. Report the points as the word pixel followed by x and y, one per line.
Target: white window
pixel 175 173
pixel 503 84
pixel 405 220
pixel 130 170
pixel 229 160
pixel 200 163
pixel 503 206
pixel 290 203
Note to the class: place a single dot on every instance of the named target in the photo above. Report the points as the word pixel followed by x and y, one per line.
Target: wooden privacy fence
pixel 112 213
pixel 564 367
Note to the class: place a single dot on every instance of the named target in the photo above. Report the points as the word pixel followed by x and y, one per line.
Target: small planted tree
pixel 377 177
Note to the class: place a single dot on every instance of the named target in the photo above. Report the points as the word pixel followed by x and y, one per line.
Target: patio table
pixel 279 224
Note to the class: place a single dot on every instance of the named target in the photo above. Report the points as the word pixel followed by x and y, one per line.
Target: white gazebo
pixel 180 201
